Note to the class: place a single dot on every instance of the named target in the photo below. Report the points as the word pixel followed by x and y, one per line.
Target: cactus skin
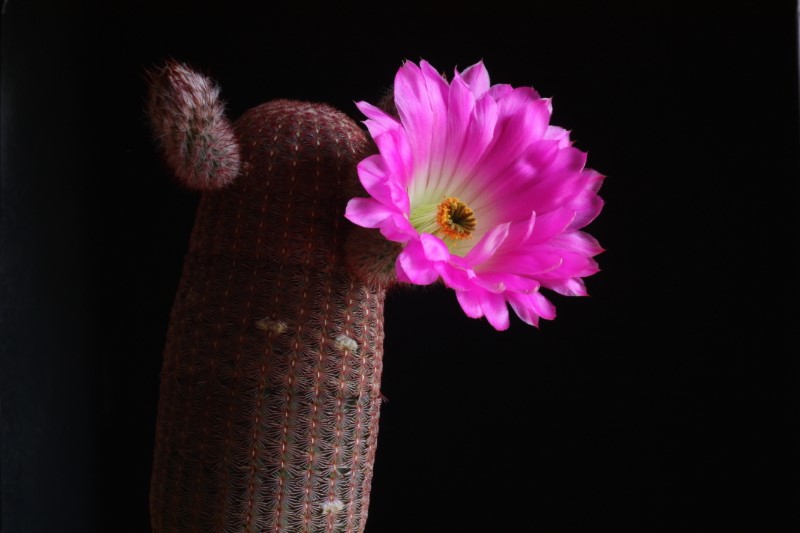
pixel 270 388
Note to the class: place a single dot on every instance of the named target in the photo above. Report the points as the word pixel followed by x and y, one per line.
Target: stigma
pixel 455 219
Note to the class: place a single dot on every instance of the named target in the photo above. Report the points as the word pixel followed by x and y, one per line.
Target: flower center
pixel 455 219
pixel 449 218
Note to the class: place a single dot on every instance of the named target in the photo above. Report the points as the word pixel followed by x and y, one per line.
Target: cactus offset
pixel 269 404
pixel 189 122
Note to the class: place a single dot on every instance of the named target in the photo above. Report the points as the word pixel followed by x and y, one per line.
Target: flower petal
pixel 490 242
pixel 470 302
pixel 530 307
pixel 414 107
pixel 456 277
pixel 367 212
pixel 562 181
pixel 587 204
pixel 372 173
pixel 479 136
pixel 398 228
pixel 499 91
pixel 379 121
pixel 495 309
pixel 550 224
pixel 459 115
pixel 521 122
pixel 413 266
pixel 478 302
pixel 567 286
pixel 578 242
pixel 477 77
pixel 421 100
pixel 503 282
pixel 434 248
pixel 558 134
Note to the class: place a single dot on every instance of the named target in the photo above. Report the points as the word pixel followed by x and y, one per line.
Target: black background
pixel 667 401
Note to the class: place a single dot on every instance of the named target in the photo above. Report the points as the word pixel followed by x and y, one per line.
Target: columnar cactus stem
pixel 270 389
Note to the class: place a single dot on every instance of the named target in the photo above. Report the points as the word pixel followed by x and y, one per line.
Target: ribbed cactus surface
pixel 270 388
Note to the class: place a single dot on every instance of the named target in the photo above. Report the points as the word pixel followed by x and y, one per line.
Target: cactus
pixel 270 387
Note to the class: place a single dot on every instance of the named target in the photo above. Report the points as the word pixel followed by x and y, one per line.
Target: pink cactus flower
pixel 482 192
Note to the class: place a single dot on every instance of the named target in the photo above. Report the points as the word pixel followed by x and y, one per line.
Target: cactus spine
pixel 270 388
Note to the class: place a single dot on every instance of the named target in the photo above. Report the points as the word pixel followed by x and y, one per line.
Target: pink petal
pixel 437 85
pixel 505 282
pixel 470 302
pixel 562 181
pixel 567 286
pixel 477 77
pixel 396 165
pixel 543 306
pixel 479 136
pixel 587 204
pixel 459 115
pixel 488 244
pixel 434 248
pixel 525 262
pixel 373 176
pixel 421 97
pixel 578 242
pixel 398 228
pixel 519 232
pixel 521 121
pixel 414 107
pixel 519 100
pixel 500 90
pixel 551 224
pixel 438 93
pixel 516 204
pixel 530 307
pixel 477 302
pixel 558 134
pixel 413 266
pixel 522 306
pixel 455 277
pixel 367 212
pixel 524 172
pixel 379 120
pixel 495 309
pixel 571 265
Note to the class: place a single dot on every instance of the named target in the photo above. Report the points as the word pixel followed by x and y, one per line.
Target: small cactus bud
pixel 188 120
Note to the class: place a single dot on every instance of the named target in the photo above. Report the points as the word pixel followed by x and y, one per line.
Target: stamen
pixel 455 219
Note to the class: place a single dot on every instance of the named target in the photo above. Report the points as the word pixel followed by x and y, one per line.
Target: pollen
pixel 455 219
